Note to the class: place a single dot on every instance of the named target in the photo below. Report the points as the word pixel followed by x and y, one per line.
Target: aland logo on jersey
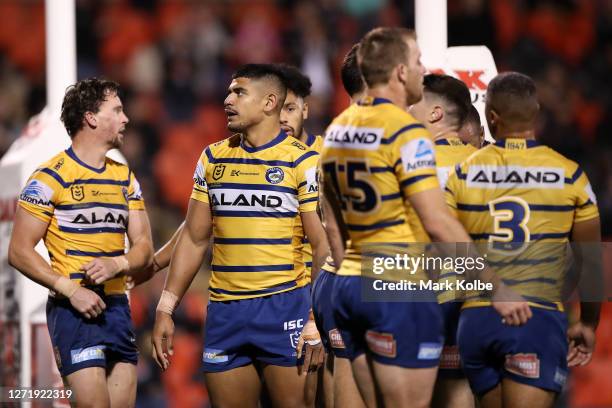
pixel 352 137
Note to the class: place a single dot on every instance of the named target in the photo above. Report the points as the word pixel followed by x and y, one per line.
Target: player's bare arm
pixel 588 260
pixel 442 226
pixel 139 256
pixel 186 259
pixel 27 232
pixel 310 340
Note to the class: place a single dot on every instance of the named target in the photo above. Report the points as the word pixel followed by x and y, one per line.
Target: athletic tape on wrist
pixel 65 286
pixel 167 302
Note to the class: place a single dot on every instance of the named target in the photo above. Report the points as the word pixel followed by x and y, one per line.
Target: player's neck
pixel 387 91
pixel 261 134
pixel 89 151
pixel 514 134
pixel 304 136
pixel 443 133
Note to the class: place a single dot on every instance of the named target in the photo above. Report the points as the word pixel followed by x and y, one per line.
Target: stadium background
pixel 174 60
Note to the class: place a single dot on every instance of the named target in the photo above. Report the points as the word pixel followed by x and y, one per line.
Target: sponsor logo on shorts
pixel 429 351
pixel 87 354
pixel 293 338
pixel 335 339
pixel 523 364
pixel 214 356
pixel 293 324
pixel 382 344
pixel 560 376
pixel 450 359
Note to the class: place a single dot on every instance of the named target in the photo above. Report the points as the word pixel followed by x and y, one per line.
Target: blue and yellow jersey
pixel 87 211
pixel 315 143
pixel 256 196
pixel 519 200
pixel 375 155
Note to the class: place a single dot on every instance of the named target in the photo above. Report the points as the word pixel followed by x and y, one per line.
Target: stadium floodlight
pixel 474 65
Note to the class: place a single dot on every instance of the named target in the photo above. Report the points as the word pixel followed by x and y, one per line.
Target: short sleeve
pixel 135 199
pixel 585 200
pixel 308 186
pixel 200 188
pixel 39 195
pixel 415 162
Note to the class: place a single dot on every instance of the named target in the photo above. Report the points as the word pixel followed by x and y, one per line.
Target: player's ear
pixel 270 102
pixel 90 119
pixel 401 71
pixel 305 110
pixel 436 115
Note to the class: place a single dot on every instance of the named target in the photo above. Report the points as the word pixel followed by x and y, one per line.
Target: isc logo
pixel 293 324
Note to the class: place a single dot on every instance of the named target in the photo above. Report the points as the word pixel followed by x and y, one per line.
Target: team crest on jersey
pixel 77 192
pixel 275 175
pixel 218 171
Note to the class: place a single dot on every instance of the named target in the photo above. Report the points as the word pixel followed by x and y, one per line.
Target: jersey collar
pixel 369 101
pixel 310 139
pixel 74 157
pixel 450 141
pixel 516 144
pixel 279 138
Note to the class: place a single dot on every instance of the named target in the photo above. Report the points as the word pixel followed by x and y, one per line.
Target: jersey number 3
pixel 510 217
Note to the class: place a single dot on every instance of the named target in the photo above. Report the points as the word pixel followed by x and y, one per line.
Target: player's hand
pixel 511 306
pixel 310 344
pixel 582 344
pixel 87 302
pixel 163 332
pixel 100 270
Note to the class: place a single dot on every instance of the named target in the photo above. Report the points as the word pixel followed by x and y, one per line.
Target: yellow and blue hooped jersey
pixel 375 155
pixel 256 196
pixel 520 200
pixel 87 210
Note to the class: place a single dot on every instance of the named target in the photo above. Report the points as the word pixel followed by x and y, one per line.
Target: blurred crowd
pixel 174 59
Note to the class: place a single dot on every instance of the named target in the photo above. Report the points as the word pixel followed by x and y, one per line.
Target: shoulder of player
pixel 58 167
pixel 294 151
pixel 220 148
pixel 401 123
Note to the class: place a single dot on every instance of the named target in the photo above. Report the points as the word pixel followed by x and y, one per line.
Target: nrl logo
pixel 218 171
pixel 78 192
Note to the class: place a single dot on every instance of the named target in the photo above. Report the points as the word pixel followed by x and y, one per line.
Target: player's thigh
pixel 517 395
pixel 492 398
pixel 121 382
pixel 363 378
pixel 452 393
pixel 346 393
pixel 286 387
pixel 238 387
pixel 401 387
pixel 88 387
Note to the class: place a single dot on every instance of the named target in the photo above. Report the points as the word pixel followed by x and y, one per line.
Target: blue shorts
pixel 450 360
pixel 79 342
pixel 264 329
pixel 407 334
pixel 322 303
pixel 534 354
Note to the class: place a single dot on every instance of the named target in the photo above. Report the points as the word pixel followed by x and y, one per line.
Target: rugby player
pixel 248 193
pixel 82 204
pixel 376 155
pixel 444 110
pixel 339 383
pixel 524 201
pixel 472 131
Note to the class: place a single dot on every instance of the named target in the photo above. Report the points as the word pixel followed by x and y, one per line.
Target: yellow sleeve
pixel 200 188
pixel 135 200
pixel 451 189
pixel 308 186
pixel 40 193
pixel 413 154
pixel 585 200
